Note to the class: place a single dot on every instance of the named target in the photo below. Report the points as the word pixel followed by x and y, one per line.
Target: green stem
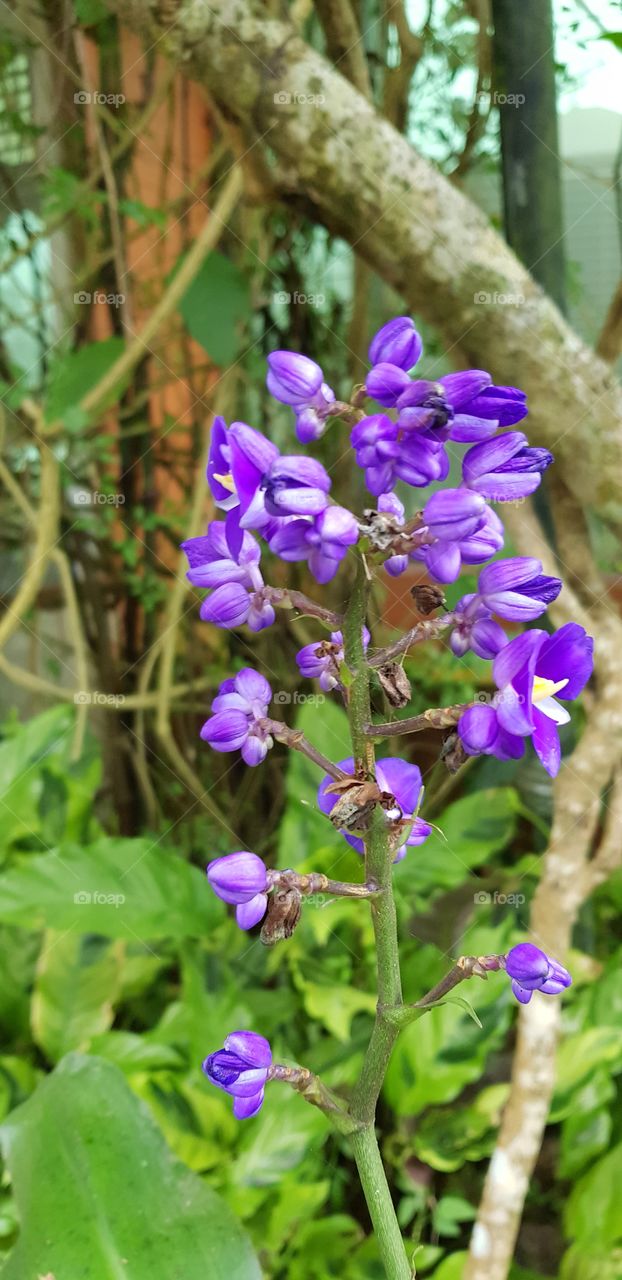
pixel 378 868
pixel 381 1211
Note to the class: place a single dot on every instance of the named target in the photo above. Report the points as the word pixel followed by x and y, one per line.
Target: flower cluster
pixel 285 500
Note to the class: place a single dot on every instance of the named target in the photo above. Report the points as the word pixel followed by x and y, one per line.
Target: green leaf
pixel 335 1006
pixel 278 1139
pixel 99 1195
pixel 89 12
pixel 77 372
pixel 594 1210
pixel 303 827
pixel 469 833
pixel 214 306
pixel 119 888
pixel 77 983
pixel 614 37
pixel 145 215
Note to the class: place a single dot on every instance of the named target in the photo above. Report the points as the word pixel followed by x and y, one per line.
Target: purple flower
pixel 532 970
pixel 441 409
pixel 390 503
pixel 270 485
pixel 452 514
pixel 507 405
pixel 322 659
pixel 241 1069
pixel 241 880
pixel 399 779
pixel 240 708
pixel 386 383
pixel 323 541
pixel 388 454
pixel 517 589
pixel 296 380
pixel 219 467
pixel 238 594
pixel 444 556
pixel 396 343
pixel 528 672
pixel 475 629
pixel 505 468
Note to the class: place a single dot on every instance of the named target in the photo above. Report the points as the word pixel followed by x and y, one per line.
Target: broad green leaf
pixel 119 888
pixel 469 833
pixel 277 1141
pixel 578 1058
pixel 214 306
pixel 452 1267
pixel 336 1006
pixel 77 983
pixel 76 372
pixel 439 1054
pixel 588 1263
pixel 614 37
pixel 446 1137
pixel 593 1212
pixel 303 827
pixel 133 1052
pixel 99 1195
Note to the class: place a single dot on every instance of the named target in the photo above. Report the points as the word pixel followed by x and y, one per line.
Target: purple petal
pixel 248 914
pixel 487 638
pixel 295 501
pixel 305 471
pixel 491 454
pixel 385 383
pixel 250 1047
pixel 522 995
pixel 246 1108
pixel 237 877
pixel 504 575
pixel 219 464
pixel 506 404
pixel 477 728
pixel 290 541
pixel 461 388
pixel 254 750
pixel 227 606
pixel 465 429
pixel 452 514
pixel 226 731
pixel 443 561
pixel 396 342
pixel 402 780
pixel 253 686
pixel 546 742
pixel 496 486
pixel 528 964
pixel 322 566
pixel 567 655
pixel 520 653
pixel 292 378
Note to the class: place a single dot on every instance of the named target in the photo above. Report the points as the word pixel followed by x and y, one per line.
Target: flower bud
pixel 398 343
pixel 238 877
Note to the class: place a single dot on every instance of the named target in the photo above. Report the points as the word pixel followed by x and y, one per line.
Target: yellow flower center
pixel 543 688
pixel 226 482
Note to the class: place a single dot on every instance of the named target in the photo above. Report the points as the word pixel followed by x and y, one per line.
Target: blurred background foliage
pixel 120 970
